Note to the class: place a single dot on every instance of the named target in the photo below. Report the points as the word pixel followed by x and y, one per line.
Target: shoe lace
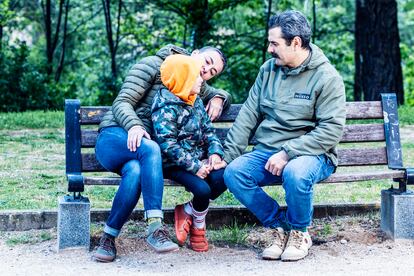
pixel 295 239
pixel 279 238
pixel 107 243
pixel 162 235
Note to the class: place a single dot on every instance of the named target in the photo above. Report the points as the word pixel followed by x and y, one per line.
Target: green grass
pixel 405 115
pixel 32 120
pixel 32 169
pixel 235 234
pixel 28 237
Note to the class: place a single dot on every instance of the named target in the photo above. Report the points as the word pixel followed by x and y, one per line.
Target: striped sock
pixel 188 208
pixel 199 219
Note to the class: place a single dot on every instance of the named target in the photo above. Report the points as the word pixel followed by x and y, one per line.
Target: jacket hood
pixel 171 50
pixel 179 73
pixel 317 58
pixel 165 97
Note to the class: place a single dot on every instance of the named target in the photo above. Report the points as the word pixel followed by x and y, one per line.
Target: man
pixel 296 111
pixel 124 145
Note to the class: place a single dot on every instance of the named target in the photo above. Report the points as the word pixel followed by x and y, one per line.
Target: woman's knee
pixel 132 168
pixel 150 147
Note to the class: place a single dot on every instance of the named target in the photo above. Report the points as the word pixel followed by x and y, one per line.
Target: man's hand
pixel 220 165
pixel 277 163
pixel 213 160
pixel 203 171
pixel 135 135
pixel 214 108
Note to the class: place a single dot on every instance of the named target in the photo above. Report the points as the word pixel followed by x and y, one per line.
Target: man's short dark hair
pixel 292 24
pixel 211 48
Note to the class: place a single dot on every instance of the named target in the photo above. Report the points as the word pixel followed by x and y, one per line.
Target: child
pixel 184 132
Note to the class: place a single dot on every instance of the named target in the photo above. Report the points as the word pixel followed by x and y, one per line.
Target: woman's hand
pixel 135 135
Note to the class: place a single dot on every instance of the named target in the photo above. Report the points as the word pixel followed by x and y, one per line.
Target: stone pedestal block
pixel 397 214
pixel 73 225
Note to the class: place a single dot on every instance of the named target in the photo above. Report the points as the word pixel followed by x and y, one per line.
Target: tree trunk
pixel 1 37
pixel 266 42
pixel 48 28
pixel 314 35
pixel 200 19
pixel 51 42
pixel 62 54
pixel 113 45
pixel 377 53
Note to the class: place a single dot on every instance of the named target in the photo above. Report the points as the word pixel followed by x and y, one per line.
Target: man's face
pixel 284 55
pixel 212 63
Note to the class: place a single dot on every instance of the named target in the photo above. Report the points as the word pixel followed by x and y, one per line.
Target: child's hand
pixel 220 165
pixel 203 171
pixel 213 160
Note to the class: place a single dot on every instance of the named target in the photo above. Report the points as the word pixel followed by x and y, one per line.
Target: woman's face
pixel 197 85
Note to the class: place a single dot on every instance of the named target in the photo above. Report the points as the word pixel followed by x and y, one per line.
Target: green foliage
pixel 25 85
pixel 5 13
pixel 145 26
pixel 406 27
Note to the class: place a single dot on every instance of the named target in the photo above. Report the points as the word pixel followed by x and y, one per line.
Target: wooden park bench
pixel 373 144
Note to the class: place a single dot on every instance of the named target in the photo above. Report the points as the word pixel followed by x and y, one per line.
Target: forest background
pixel 56 49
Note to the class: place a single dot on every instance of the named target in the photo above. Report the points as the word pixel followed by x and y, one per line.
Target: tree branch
pixel 56 37
pixel 62 54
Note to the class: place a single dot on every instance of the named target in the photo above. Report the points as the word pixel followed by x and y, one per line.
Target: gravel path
pixel 351 247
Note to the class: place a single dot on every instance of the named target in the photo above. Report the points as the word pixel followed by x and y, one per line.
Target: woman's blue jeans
pixel 140 171
pixel 246 175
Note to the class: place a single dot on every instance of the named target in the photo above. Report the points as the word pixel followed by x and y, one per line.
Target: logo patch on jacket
pixel 302 96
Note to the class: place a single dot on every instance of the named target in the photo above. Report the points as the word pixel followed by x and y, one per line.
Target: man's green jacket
pixel 299 110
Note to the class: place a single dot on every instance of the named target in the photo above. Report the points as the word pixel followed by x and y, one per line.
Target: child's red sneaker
pixel 182 223
pixel 198 240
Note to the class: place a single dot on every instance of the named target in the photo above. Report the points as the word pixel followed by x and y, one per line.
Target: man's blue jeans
pixel 140 171
pixel 246 175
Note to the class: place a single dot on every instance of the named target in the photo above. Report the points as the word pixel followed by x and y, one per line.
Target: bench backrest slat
pixel 352 134
pixel 92 115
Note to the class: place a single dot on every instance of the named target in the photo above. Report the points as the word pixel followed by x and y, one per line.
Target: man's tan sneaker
pixel 275 250
pixel 297 246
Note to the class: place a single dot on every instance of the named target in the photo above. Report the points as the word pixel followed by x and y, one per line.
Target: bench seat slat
pixel 352 133
pixel 363 133
pixel 92 115
pixel 347 157
pixel 362 157
pixel 335 178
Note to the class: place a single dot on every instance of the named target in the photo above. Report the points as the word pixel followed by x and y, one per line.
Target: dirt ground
pixel 342 246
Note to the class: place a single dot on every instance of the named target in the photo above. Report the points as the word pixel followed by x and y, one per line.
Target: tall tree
pixel 197 15
pixel 377 52
pixel 53 38
pixel 112 42
pixel 268 14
